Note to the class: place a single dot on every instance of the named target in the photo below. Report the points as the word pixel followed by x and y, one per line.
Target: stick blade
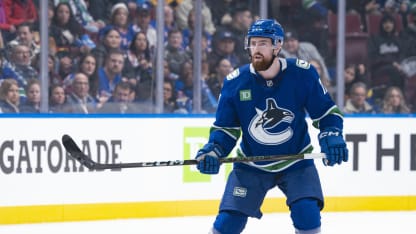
pixel 76 153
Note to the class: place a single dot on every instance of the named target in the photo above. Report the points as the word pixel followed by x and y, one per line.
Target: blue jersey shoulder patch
pixel 302 64
pixel 233 74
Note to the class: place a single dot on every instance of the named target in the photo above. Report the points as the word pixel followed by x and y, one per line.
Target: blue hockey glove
pixel 209 158
pixel 333 145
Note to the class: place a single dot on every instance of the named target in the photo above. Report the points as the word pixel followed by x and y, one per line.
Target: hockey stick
pixel 76 153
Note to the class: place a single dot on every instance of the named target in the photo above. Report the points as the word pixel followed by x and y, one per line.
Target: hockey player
pixel 267 101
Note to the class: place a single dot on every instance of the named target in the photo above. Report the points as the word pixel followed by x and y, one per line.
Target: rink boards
pixel 41 184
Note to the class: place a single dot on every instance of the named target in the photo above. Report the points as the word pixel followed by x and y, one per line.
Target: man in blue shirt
pixel 110 75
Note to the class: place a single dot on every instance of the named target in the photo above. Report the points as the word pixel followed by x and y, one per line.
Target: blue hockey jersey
pixel 270 114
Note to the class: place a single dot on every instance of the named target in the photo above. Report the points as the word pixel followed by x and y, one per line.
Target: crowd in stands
pixel 102 52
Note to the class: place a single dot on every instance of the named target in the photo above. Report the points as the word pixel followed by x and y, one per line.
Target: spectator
pixel 65 66
pixel 87 65
pixel 167 74
pixel 25 35
pixel 3 63
pixel 54 77
pixel 68 30
pixel 120 22
pixel 55 33
pixel 169 24
pixel 224 47
pixel 293 48
pixel 111 40
pixel 216 80
pixel 203 46
pixel 175 55
pixel 100 10
pixel 241 19
pixel 220 10
pixel 188 33
pixel 79 100
pixel 20 11
pixel 183 10
pixel 352 75
pixel 313 23
pixel 142 23
pixel 169 99
pixel 184 88
pixel 394 102
pixel 397 7
pixel 120 102
pixel 319 8
pixel 110 75
pixel 79 9
pixel 33 95
pixel 8 29
pixel 9 96
pixel 138 66
pixel 349 79
pixel 385 52
pixel 57 100
pixel 372 7
pixel 20 67
pixel 357 103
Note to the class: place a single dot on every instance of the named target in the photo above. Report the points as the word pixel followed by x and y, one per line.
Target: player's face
pixel 261 50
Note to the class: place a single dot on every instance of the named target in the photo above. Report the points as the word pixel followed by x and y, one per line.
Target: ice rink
pixel 337 222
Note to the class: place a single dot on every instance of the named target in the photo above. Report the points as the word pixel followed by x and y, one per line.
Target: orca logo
pixel 264 122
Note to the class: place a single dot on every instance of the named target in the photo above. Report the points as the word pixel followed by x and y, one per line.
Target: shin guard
pixel 230 222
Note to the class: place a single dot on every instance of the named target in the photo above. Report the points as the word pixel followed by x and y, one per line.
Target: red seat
pixel 356 49
pixel 355 38
pixel 373 23
pixel 353 23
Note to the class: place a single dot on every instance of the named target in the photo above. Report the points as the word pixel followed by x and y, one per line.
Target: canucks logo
pixel 302 64
pixel 269 126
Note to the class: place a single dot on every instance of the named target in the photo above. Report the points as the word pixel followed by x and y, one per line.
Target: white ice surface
pixel 333 222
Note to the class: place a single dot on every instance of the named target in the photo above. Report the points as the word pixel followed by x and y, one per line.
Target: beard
pixel 261 64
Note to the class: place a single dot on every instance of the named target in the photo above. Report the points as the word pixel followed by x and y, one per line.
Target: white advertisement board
pixel 35 170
